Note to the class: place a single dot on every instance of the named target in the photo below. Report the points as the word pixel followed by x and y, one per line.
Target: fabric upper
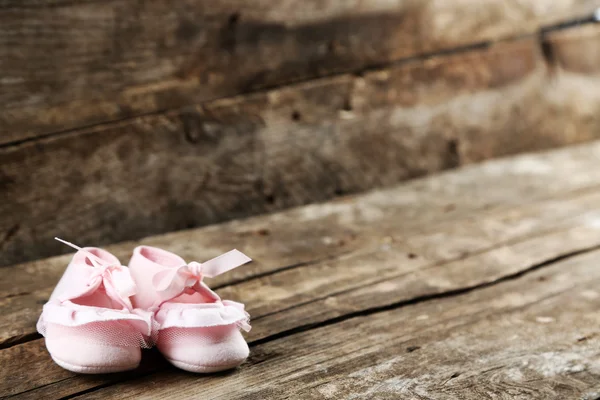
pixel 94 289
pixel 175 289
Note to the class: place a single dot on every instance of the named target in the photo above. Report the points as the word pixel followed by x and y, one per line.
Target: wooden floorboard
pixel 377 256
pixel 532 337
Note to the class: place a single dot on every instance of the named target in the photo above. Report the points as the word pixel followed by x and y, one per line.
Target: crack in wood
pixel 20 339
pixel 422 299
pixel 11 295
pixel 441 263
pixel 453 376
pixel 36 388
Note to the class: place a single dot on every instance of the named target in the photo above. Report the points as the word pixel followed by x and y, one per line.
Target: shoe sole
pixel 203 369
pixel 81 369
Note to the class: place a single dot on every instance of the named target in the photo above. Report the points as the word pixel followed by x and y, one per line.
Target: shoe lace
pixel 114 277
pixel 170 283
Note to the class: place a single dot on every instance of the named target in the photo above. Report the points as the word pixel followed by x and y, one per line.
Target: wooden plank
pixel 286 147
pixel 533 337
pixel 459 254
pixel 575 50
pixel 317 234
pixel 69 64
pixel 35 356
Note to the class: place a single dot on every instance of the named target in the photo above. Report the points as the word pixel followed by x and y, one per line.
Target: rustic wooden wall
pixel 121 119
pixel 67 64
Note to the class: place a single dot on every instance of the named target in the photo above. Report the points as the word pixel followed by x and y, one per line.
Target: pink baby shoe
pixel 89 323
pixel 197 331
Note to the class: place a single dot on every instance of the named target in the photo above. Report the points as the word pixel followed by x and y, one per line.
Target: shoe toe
pixel 203 349
pixel 92 358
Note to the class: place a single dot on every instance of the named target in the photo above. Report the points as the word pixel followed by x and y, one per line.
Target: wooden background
pixel 124 118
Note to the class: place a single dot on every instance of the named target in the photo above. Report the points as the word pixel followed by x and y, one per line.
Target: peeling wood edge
pixel 371 311
pixel 541 34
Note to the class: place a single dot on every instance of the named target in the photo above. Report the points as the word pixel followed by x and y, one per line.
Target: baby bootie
pixel 89 323
pixel 197 331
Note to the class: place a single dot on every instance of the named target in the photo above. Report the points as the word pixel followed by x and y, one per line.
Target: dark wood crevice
pixel 426 298
pixel 17 340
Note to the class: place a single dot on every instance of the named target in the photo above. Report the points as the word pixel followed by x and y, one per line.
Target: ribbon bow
pixel 115 278
pixel 171 282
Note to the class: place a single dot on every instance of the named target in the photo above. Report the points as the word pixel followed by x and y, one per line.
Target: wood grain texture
pixel 358 349
pixel 535 337
pixel 435 238
pixel 316 234
pixel 68 64
pixel 287 147
pixel 575 50
pixel 339 252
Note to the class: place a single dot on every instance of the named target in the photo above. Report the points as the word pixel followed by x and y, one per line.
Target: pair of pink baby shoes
pixel 101 313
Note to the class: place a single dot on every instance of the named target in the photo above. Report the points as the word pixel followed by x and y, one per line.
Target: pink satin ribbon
pixel 115 278
pixel 172 282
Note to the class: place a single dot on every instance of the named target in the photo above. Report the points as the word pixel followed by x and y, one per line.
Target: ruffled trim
pixel 184 315
pixel 70 314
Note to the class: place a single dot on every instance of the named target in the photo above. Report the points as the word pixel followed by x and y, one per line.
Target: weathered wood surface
pixel 295 145
pixel 66 64
pixel 399 293
pixel 535 338
pixel 575 50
